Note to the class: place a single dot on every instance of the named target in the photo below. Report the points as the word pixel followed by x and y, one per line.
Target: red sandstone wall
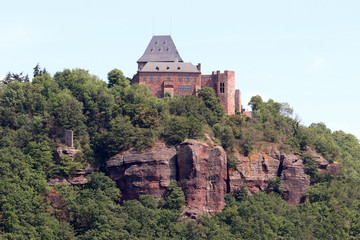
pixel 228 98
pixel 155 85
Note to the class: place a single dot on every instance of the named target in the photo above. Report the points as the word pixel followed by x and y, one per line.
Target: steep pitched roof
pixel 169 67
pixel 161 49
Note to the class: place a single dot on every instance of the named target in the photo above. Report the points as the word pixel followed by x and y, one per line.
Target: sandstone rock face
pixel 148 172
pixel 201 171
pixel 256 171
pixel 202 175
pixel 294 181
pixel 63 150
pixel 77 178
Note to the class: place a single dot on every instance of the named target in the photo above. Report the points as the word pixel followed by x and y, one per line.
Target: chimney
pixel 199 67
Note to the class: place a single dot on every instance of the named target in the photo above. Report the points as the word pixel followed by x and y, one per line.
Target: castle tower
pixel 163 71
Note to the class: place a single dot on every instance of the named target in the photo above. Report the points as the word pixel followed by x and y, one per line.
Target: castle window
pixel 178 68
pixel 157 68
pixel 157 42
pixel 194 79
pixel 184 88
pixel 168 49
pixel 160 49
pixel 159 89
pixel 215 87
pixel 151 78
pixel 187 78
pixel 180 78
pixel 167 68
pixel 165 42
pixel 158 78
pixel 222 87
pixel 152 49
pixel 168 78
pixel 144 78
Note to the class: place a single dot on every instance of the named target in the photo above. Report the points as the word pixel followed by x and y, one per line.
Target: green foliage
pixel 116 77
pixel 213 103
pixel 97 181
pixel 175 198
pixel 311 167
pixel 180 128
pixel 65 167
pixel 232 162
pixel 275 186
pixel 225 134
pixel 114 117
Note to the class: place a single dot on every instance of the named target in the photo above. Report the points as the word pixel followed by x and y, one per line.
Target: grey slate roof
pixel 169 67
pixel 161 49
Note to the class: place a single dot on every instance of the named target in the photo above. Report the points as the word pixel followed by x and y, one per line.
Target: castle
pixel 163 71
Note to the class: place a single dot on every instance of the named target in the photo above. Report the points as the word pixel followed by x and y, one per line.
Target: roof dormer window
pixel 157 68
pixel 164 42
pixel 157 42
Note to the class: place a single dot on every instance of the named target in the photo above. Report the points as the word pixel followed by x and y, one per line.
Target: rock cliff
pixel 202 176
pixel 147 172
pixel 201 170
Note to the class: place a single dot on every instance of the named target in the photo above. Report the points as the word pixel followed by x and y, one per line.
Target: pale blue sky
pixel 304 52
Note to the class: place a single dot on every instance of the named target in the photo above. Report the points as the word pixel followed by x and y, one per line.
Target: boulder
pixel 148 172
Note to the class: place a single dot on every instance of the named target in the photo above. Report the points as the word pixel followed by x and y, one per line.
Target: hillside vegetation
pixel 108 118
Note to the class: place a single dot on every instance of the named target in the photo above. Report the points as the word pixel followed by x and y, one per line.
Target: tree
pixel 180 128
pixel 37 70
pixel 208 95
pixel 116 77
pixel 175 197
pixel 256 103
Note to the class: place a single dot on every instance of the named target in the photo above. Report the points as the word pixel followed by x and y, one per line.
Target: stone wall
pixel 159 87
pixel 238 100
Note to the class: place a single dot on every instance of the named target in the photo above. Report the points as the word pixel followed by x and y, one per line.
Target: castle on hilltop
pixel 163 71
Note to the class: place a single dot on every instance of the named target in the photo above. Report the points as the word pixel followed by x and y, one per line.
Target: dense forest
pixel 114 116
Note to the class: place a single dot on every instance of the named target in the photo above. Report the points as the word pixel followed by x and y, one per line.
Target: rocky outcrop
pixel 147 172
pixel 201 170
pixel 295 182
pixel 253 171
pixel 202 176
pixel 77 178
pixel 64 150
pixel 257 170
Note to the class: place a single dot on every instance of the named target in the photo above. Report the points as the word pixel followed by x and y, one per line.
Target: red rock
pixel 55 181
pixel 147 172
pixel 295 182
pixel 202 176
pixel 254 171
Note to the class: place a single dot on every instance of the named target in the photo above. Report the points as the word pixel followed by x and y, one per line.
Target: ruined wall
pixel 69 138
pixel 238 100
